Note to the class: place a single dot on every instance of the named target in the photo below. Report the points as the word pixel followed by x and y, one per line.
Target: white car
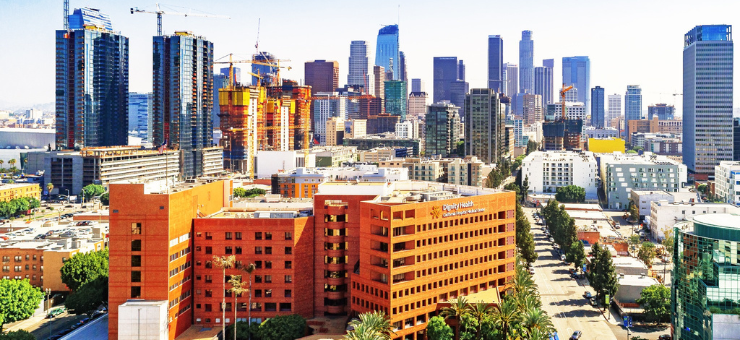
pixel 531 270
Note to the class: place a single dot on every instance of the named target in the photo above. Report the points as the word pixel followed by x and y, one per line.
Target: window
pixel 288 264
pixel 229 250
pixel 209 250
pixel 136 245
pixel 238 235
pixel 268 293
pixel 258 235
pixel 268 250
pixel 228 235
pixel 258 279
pixel 209 236
pixel 258 293
pixel 288 293
pixel 288 235
pixel 136 261
pixel 288 250
pixel 268 264
pixel 209 293
pixel 136 276
pixel 238 250
pixel 258 250
pixel 136 228
pixel 135 292
pixel 268 278
pixel 208 307
pixel 257 264
pixel 268 236
pixel 288 279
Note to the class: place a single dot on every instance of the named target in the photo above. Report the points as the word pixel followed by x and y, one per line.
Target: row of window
pixel 459 236
pixel 229 250
pixel 180 254
pixel 20 268
pixel 183 296
pixel 179 269
pixel 19 258
pixel 178 283
pixel 237 235
pixel 242 307
pixel 459 265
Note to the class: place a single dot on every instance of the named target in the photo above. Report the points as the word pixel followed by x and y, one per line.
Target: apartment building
pixel 468 171
pixel 304 182
pixel 622 173
pixel 664 214
pixel 548 170
pixel 727 182
pixel 13 191
pixel 378 155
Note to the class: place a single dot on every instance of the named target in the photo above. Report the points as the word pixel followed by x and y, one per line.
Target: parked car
pixel 531 271
pixel 54 312
pixel 576 335
pixel 593 302
pixel 588 295
pixel 665 337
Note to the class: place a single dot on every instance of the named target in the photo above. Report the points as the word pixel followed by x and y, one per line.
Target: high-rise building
pixel 543 83
pixel 442 121
pixel 458 90
pixel 358 61
pixel 220 81
pixel 322 75
pixel 417 85
pixel 324 109
pixel 511 80
pixel 183 97
pixel 526 63
pixel 707 97
pixel 395 98
pixel 460 70
pixel 597 107
pixel 140 115
pixel 484 125
pixel 736 139
pixel 265 71
pixel 532 110
pixel 386 50
pixel 496 68
pixel 445 72
pixel 615 108
pixel 577 72
pixel 402 66
pixel 417 105
pixel 379 83
pixel 91 82
pixel 662 111
pixel 632 105
pixel 334 131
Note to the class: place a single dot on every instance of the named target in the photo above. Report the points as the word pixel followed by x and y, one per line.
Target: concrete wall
pixel 725 326
pixel 143 320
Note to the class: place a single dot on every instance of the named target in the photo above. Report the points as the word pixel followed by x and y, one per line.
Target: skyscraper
pixel 325 109
pixel 221 80
pixel 379 83
pixel 707 97
pixel 446 71
pixel 91 82
pixel 395 98
pixel 496 63
pixel 577 72
pixel 140 115
pixel 526 63
pixel 531 107
pixel 265 71
pixel 597 107
pixel 484 125
pixel 460 70
pixel 357 71
pixel 402 67
pixel 662 111
pixel 442 128
pixel 417 85
pixel 183 97
pixel 632 106
pixel 322 75
pixel 386 50
pixel 511 80
pixel 615 107
pixel 543 83
pixel 458 90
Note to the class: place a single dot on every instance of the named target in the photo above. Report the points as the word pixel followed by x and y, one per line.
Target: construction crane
pixel 66 15
pixel 562 99
pixel 159 13
pixel 231 63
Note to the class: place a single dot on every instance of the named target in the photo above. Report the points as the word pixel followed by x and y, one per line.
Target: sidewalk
pixel 25 324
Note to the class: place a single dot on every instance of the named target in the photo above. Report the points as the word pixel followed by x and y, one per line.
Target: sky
pixel 628 41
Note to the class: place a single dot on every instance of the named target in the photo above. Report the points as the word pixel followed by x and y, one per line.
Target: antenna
pixel 66 15
pixel 257 44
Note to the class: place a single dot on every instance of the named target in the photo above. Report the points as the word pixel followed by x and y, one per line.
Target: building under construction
pixel 563 134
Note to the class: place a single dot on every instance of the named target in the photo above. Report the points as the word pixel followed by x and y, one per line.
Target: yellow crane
pixel 562 99
pixel 159 12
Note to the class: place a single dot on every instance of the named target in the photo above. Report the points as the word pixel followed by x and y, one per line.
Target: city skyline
pixel 658 71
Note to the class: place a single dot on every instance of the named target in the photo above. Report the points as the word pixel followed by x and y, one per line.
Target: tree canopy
pixel 89 297
pixel 84 267
pixel 18 206
pixel 647 253
pixel 241 192
pixel 437 329
pixel 17 335
pixel 283 327
pixel 570 194
pixel 18 300
pixel 105 198
pixel 656 301
pixel 92 190
pixel 602 274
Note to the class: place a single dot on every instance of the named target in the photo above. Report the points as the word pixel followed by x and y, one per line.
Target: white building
pixel 727 182
pixel 408 129
pixel 272 162
pixel 615 107
pixel 643 199
pixel 548 170
pixel 573 110
pixel 663 215
pixel 323 109
pixel 592 132
pixel 143 319
pixel 622 173
pixel 534 132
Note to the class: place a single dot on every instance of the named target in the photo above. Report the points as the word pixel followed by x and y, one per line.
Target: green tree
pixel 49 187
pixel 32 202
pixel 528 250
pixel 92 190
pixel 647 253
pixel 283 327
pixel 535 320
pixel 576 254
pixel 505 314
pixel 105 198
pixel 515 188
pixel 456 310
pixel 656 301
pixel 240 192
pixel 437 329
pixel 224 262
pixel 532 146
pixel 634 240
pixel 570 194
pixel 479 311
pixel 634 211
pixel 82 268
pixel 603 275
pixel 460 148
pixel 524 189
pixel 89 297
pixel 243 331
pixel 17 335
pixel 668 241
pixel 237 288
pixel 18 300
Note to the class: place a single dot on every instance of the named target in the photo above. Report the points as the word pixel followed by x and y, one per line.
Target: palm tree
pixel 536 319
pixel 479 311
pixel 236 289
pixel 49 186
pixel 505 314
pixel 456 310
pixel 223 262
pixel 372 325
pixel 249 269
pixel 12 166
pixel 1 164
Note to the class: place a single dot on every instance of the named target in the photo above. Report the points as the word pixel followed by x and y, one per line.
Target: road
pixel 562 297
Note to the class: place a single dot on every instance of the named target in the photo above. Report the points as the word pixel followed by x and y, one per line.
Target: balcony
pixel 335 309
pixel 335 281
pixel 335 239
pixel 335 266
pixel 335 295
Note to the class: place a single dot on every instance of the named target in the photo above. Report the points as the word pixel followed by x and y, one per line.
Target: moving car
pixel 576 335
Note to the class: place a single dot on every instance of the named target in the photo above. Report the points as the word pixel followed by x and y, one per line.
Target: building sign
pixel 460 209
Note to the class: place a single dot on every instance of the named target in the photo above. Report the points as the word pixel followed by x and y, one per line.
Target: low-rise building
pixel 304 182
pixel 622 173
pixel 383 140
pixel 468 171
pixel 606 145
pixel 644 198
pixel 664 215
pixel 18 190
pixel 269 163
pixel 603 133
pixel 630 287
pixel 727 182
pixel 378 155
pixel 548 170
pixel 334 156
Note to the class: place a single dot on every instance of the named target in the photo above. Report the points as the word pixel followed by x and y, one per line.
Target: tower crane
pixel 159 12
pixel 231 63
pixel 562 99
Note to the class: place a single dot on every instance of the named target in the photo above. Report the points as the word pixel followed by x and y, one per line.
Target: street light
pixel 48 308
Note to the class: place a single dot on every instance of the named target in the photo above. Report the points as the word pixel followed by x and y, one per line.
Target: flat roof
pixel 581 206
pixel 636 280
pixel 730 221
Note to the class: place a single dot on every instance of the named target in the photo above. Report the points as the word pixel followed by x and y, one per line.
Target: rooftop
pixel 637 281
pixel 728 221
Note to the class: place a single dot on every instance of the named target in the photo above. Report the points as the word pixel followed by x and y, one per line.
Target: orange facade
pixel 413 256
pixel 281 249
pixel 151 246
pixel 20 263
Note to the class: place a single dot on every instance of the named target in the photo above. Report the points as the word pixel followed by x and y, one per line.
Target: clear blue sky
pixel 628 41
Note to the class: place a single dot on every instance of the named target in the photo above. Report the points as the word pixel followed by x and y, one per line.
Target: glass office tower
pixel 496 63
pixel 386 50
pixel 597 107
pixel 358 62
pixel 577 72
pixel 526 63
pixel 707 98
